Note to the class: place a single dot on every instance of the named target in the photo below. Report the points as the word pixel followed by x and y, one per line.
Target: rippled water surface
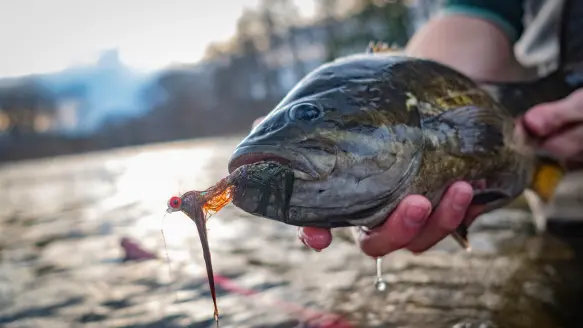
pixel 61 221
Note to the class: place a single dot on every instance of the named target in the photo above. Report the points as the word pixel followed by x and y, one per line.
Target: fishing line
pixel 166 248
pixel 168 258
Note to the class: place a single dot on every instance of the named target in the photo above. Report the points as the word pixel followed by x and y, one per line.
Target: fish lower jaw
pixel 302 168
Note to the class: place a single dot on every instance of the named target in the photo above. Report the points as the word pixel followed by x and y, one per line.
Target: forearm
pixel 474 46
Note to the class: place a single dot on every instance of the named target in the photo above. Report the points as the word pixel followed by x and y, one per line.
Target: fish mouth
pixel 300 164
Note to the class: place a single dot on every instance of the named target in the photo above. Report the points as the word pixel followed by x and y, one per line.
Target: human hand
pixel 559 127
pixel 413 225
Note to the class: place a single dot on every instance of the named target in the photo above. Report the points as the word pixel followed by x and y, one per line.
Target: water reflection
pixel 546 290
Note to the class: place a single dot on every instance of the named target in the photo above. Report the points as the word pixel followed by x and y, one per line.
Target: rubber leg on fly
pixel 460 235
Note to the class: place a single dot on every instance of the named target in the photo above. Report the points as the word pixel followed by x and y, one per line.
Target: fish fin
pixel 546 177
pixel 488 197
pixel 469 130
pixel 460 235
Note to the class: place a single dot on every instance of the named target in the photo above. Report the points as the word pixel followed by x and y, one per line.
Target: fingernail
pixel 460 199
pixel 415 215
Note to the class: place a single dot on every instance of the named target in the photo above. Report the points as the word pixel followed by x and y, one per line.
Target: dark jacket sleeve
pixel 506 14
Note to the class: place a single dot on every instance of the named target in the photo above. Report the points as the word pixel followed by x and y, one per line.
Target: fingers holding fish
pixel 451 211
pixel 410 225
pixel 549 118
pixel 315 238
pixel 567 144
pixel 400 229
pixel 559 125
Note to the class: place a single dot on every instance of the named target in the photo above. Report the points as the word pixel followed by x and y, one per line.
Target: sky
pixel 39 36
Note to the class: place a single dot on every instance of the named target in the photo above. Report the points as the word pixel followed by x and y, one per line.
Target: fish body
pixel 364 131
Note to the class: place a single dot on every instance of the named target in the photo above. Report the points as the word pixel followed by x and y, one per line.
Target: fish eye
pixel 305 112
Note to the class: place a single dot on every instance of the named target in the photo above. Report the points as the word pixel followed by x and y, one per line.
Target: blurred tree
pixel 387 21
pixel 372 20
pixel 252 42
pixel 264 44
pixel 213 51
pixel 283 18
pixel 327 10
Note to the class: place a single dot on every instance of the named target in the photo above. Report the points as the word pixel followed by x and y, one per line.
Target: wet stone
pixel 60 260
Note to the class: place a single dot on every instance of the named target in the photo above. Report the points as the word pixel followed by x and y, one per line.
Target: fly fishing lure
pixel 258 188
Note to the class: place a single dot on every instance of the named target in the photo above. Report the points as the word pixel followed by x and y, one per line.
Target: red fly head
pixel 174 204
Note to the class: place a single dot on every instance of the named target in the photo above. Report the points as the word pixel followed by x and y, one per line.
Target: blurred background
pixel 98 75
pixel 108 108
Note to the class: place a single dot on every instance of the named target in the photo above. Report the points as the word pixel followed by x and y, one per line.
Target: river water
pixel 62 219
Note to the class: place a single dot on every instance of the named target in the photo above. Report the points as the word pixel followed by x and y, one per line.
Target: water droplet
pixel 379 272
pixel 380 284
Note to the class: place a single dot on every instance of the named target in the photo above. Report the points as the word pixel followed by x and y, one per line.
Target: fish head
pixel 350 144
